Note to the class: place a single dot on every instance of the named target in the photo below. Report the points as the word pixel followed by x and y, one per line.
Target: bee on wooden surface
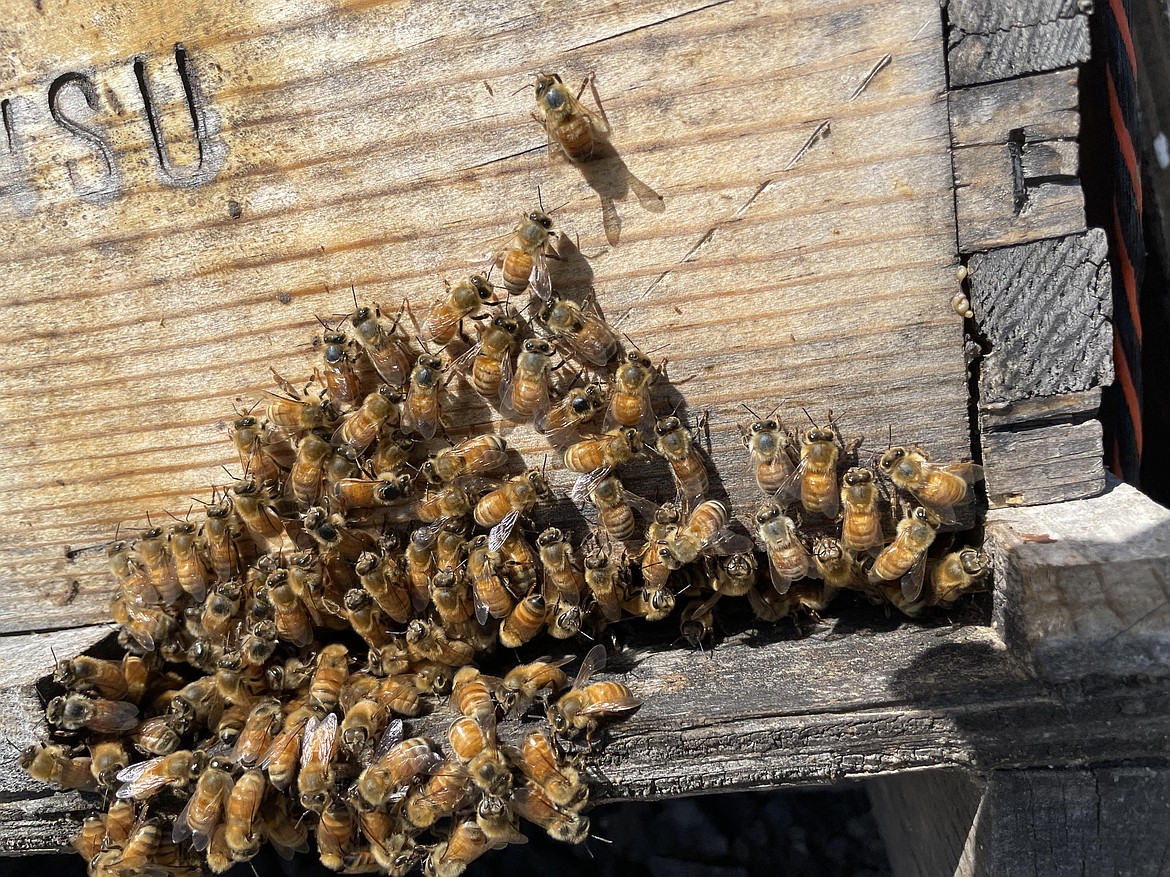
pixel 771 449
pixel 421 411
pixel 58 765
pixel 84 673
pixel 561 422
pixel 574 129
pixel 451 595
pixel 362 725
pixel 228 547
pixel 341 381
pixel 476 455
pixel 605 451
pixel 443 503
pixel 565 619
pixel 315 779
pixel 629 401
pixel 539 761
pixel 606 580
pixel 937 487
pixel 532 802
pixel 905 557
pixel 188 549
pixel 732 575
pixel 293 623
pixel 525 683
pixel 260 728
pixel 205 808
pixel 88 841
pixel 334 535
pixel 365 617
pixel 362 426
pixel 861 525
pixel 958 573
pixel 524 395
pixel 446 790
pixel 524 622
pixel 76 711
pixel 283 755
pixel 524 256
pixel 155 552
pixel 130 573
pixel 107 758
pixel 491 359
pixel 498 822
pixel 563 575
pixel 296 414
pixel 450 857
pixel 396 762
pixel 820 448
pixel 473 742
pixel 308 469
pixel 837 566
pixel 243 833
pixel 392 453
pixel 677 447
pixel 263 523
pixel 705 532
pixel 491 597
pixel 615 515
pixel 502 508
pixel 139 849
pixel 222 608
pixel 387 351
pixel 463 299
pixel 584 706
pixel 655 602
pixel 788 559
pixel 253 443
pixel 147 778
pixel 696 623
pixel 382 579
pixel 517 562
pixel 366 493
pixel 329 677
pixel 581 327
pixel 432 642
pixel 335 830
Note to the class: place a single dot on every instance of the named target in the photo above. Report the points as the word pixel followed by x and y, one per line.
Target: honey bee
pixel 561 570
pixel 572 127
pixel 677 447
pixel 329 677
pixel 308 469
pixel 524 622
pixel 495 818
pixel 205 808
pixel 629 403
pixel 532 802
pixel 565 620
pixel 584 706
pixel 491 597
pixel 287 833
pixel 335 830
pixel 614 512
pixel 861 527
pixel 452 598
pixel 342 382
pixel 697 620
pixel 420 565
pixel 392 453
pixel 433 643
pixel 89 839
pixel 283 755
pixel 260 728
pixel 561 421
pixel 524 684
pixel 937 487
pixel 445 791
pixel 768 605
pixel 293 624
pixel 837 566
pixel 473 742
pixel 502 508
pixel 335 537
pixel 386 350
pixel 788 559
pixel 705 532
pixel 219 857
pixel 771 450
pixel 516 561
pixel 421 413
pixel 315 780
pixel 524 395
pixel 448 501
pixel 958 573
pixel 582 328
pixel 160 735
pixel 107 758
pixel 365 617
pixel 472 456
pixel 463 299
pixel 256 513
pixel 130 573
pixel 84 673
pixel 383 582
pixel 450 857
pixel 524 256
pixel 491 358
pixel 242 826
pixel 222 608
pixel 58 765
pixel 820 448
pixel 538 761
pixel 156 555
pixel 137 851
pixel 188 549
pixel 363 723
pixel 253 444
pixel 396 763
pixel 366 493
pixel 605 451
pixel 606 580
pixel 905 557
pixel 146 778
pixel 654 602
pixel 294 414
pixel 76 711
pixel 361 427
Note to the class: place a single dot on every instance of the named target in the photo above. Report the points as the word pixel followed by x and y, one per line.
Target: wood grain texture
pixel 1044 463
pixel 766 709
pixel 989 40
pixel 363 145
pixel 1084 587
pixel 1015 159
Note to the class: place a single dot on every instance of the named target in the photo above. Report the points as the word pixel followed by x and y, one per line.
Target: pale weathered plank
pixel 1084 587
pixel 989 40
pixel 1016 164
pixel 358 145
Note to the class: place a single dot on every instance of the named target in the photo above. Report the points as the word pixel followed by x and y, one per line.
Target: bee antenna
pixel 809 416
pixel 324 325
pixel 13 745
pixel 539 200
pixel 353 292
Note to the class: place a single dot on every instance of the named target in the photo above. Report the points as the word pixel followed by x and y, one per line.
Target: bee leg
pixel 590 80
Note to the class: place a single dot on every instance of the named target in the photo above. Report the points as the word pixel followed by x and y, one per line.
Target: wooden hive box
pixel 184 191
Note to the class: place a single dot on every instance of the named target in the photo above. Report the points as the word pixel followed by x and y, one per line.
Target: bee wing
pixel 645 424
pixel 287 739
pixel 482 613
pixel 540 280
pixel 597 343
pixel 619 707
pixel 117 715
pixel 142 779
pixel 780 581
pixel 644 506
pixel 390 738
pixel 725 541
pixel 320 739
pixel 461 363
pixel 593 662
pixel 440 320
pixel 584 485
pixel 968 471
pixel 790 487
pixel 499 534
pixel 912 580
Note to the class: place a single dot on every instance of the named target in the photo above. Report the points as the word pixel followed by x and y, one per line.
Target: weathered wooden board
pixel 151 284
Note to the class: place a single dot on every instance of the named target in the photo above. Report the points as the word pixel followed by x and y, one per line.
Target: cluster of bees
pixel 360 572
